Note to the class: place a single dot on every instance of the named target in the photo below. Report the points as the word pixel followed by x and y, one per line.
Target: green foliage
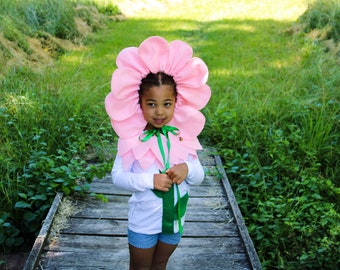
pixel 44 175
pixel 9 234
pixel 57 129
pixel 283 161
pixel 55 17
pixel 52 16
pixel 323 14
pixel 55 135
pixel 10 31
pixel 109 9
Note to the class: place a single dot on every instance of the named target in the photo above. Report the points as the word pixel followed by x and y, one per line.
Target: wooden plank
pixel 248 243
pixel 206 157
pixel 37 248
pixel 196 251
pixel 96 235
pixel 197 215
pixel 199 209
pixel 114 227
pixel 78 243
pixel 106 260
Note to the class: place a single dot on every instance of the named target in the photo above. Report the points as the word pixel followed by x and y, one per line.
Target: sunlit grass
pixel 212 10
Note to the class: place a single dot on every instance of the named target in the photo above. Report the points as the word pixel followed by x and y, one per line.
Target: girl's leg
pixel 161 255
pixel 141 258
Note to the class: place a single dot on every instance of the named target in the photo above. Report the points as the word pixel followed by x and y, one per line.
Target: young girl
pixel 156 94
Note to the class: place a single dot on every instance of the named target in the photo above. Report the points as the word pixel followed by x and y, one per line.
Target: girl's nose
pixel 159 111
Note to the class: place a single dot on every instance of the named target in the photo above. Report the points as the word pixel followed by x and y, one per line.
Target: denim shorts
pixel 140 240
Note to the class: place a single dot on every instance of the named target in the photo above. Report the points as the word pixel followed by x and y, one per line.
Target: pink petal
pixel 181 148
pixel 189 121
pixel 193 144
pixel 194 74
pixel 131 127
pixel 143 148
pixel 121 109
pixel 154 51
pixel 124 82
pixel 125 145
pixel 128 159
pixel 195 97
pixel 148 160
pixel 179 54
pixel 128 58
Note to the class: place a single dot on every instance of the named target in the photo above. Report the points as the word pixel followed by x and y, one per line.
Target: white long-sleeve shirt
pixel 145 208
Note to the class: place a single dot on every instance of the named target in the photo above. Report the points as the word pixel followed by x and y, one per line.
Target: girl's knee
pixel 141 259
pixel 161 256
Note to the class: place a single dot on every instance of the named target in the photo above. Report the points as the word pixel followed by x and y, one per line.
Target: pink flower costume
pixel 190 74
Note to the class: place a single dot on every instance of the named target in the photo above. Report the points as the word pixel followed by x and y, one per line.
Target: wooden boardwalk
pixel 215 236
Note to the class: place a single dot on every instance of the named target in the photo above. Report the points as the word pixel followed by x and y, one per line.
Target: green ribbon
pixel 157 132
pixel 170 211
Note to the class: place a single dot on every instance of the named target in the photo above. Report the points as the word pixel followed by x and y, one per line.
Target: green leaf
pixel 41 197
pixel 29 216
pixel 23 195
pixel 22 204
pixel 59 180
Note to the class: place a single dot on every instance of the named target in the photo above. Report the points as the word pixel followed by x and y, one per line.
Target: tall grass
pixel 51 134
pixel 274 117
pixel 281 154
pixel 324 15
pixel 53 17
pixel 50 137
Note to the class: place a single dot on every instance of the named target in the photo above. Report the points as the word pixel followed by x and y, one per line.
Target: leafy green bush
pixel 61 147
pixel 55 134
pixel 109 9
pixel 323 14
pixel 283 161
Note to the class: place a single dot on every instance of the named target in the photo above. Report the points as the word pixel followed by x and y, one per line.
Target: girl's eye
pixel 168 104
pixel 151 104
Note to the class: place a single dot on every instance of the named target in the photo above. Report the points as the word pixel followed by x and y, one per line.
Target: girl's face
pixel 158 105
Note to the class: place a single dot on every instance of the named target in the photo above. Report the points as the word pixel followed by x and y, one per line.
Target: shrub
pixel 283 162
pixel 62 145
pixel 54 134
pixel 323 14
pixel 108 9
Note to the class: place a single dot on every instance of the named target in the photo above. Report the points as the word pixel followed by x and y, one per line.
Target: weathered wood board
pixel 215 236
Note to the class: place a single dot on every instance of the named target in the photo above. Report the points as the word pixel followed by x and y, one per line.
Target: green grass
pixel 323 15
pixel 273 117
pixel 48 142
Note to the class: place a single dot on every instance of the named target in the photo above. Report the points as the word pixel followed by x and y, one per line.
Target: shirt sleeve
pixel 129 180
pixel 195 171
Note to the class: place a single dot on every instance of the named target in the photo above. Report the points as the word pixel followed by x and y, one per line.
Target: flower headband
pixel 155 54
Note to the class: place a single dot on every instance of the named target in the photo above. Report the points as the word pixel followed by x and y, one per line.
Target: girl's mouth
pixel 159 121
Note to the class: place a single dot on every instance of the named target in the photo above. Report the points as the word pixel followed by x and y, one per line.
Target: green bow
pixel 157 132
pixel 171 212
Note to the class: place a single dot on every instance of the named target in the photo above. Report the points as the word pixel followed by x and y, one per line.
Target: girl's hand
pixel 162 182
pixel 178 173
